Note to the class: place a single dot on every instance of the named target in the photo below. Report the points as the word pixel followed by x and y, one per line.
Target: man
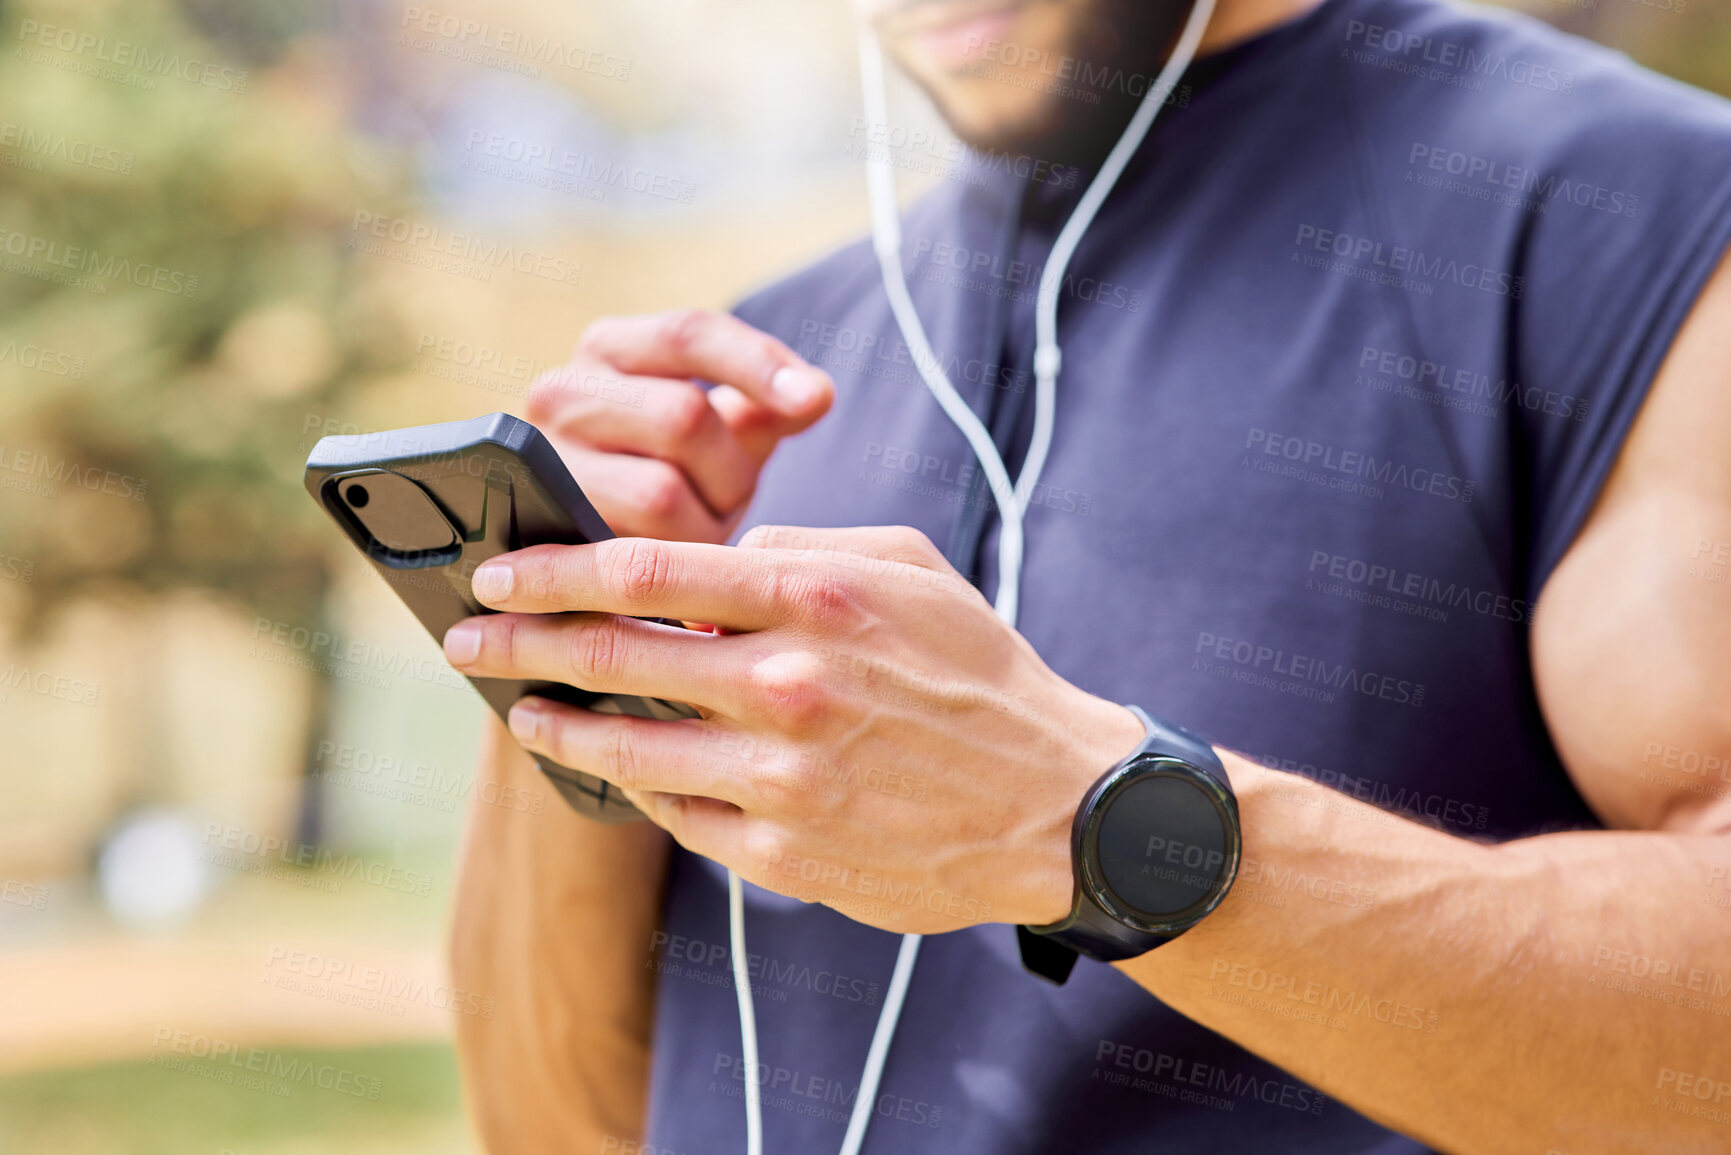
pixel 1390 455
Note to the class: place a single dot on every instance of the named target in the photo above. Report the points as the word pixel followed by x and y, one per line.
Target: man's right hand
pixel 658 454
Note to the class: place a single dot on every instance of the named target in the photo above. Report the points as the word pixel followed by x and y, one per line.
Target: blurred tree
pixel 177 309
pixel 179 317
pixel 259 31
pixel 1686 39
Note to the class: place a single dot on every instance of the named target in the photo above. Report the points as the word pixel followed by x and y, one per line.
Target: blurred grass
pixel 139 1109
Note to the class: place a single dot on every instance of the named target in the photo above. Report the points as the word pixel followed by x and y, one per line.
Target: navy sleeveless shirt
pixel 1347 356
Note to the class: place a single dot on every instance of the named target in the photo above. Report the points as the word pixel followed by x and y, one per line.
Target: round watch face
pixel 1163 845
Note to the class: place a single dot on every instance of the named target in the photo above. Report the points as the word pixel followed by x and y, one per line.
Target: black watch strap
pixel 1050 951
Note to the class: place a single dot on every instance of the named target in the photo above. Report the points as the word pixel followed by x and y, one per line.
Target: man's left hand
pixel 872 736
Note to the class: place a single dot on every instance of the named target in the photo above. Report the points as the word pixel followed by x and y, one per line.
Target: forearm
pixel 553 915
pixel 1473 996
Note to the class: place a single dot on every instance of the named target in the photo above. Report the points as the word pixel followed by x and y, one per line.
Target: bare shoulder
pixel 1632 639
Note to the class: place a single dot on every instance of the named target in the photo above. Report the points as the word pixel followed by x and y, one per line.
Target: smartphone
pixel 428 504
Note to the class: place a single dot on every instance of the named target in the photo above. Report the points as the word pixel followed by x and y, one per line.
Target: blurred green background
pixel 225 231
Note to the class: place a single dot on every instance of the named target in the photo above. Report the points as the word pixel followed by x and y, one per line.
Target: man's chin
pixel 1043 129
pixel 1020 131
pixel 992 109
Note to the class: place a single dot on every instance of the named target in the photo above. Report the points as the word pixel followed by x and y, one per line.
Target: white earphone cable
pixel 887 243
pixel 1011 498
pixel 747 1014
pixel 1047 357
pixel 873 1074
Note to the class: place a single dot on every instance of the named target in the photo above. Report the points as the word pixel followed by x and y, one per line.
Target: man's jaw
pixel 937 41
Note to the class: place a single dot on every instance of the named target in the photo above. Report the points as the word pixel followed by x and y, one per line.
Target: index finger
pixel 741 590
pixel 717 347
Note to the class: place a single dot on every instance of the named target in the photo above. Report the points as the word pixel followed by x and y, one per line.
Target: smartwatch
pixel 1154 847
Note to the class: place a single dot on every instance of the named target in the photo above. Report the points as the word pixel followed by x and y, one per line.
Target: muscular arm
pixel 1565 993
pixel 553 921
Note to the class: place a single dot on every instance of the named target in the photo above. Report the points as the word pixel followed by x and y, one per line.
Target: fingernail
pixel 798 387
pixel 492 582
pixel 525 720
pixel 463 643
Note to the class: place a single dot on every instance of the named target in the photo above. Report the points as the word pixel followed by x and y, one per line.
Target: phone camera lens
pixel 356 495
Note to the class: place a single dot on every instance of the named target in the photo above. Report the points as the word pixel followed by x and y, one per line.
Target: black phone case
pixel 501 487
